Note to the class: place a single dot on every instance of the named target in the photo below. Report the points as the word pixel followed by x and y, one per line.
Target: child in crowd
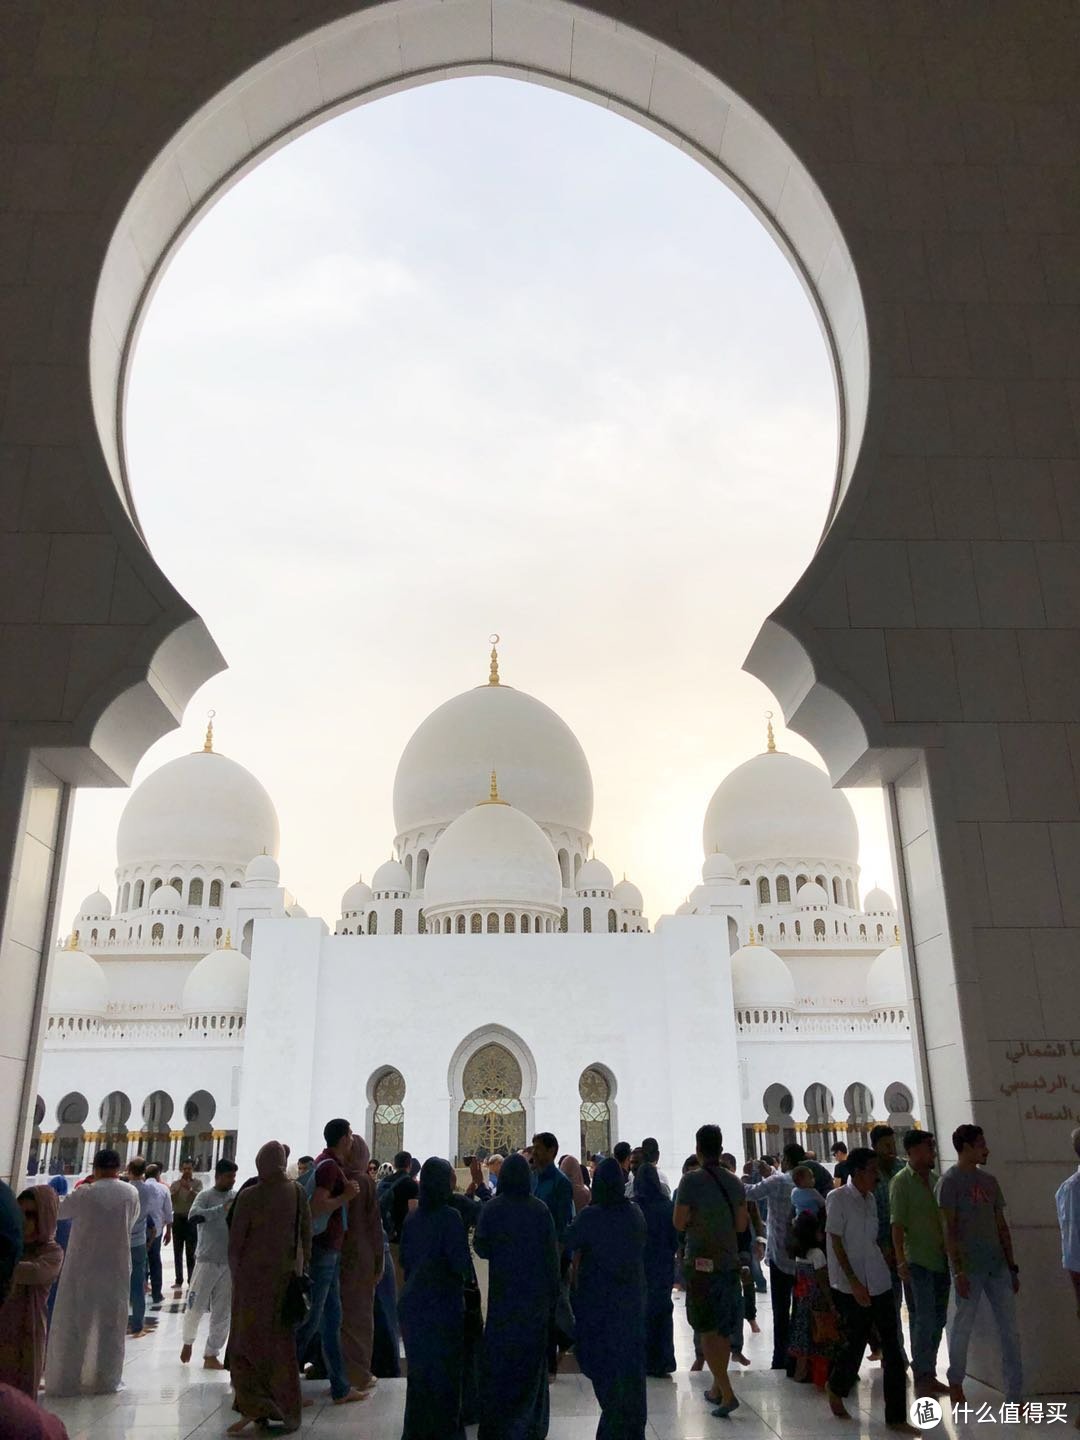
pixel 805 1198
pixel 815 1328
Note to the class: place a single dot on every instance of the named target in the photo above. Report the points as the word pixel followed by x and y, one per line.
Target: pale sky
pixel 479 357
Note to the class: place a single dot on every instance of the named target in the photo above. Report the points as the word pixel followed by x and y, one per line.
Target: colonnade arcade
pixel 825 1122
pixel 67 1147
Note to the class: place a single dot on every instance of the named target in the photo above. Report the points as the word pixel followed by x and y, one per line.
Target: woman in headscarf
pixel 661 1242
pixel 24 1323
pixel 361 1266
pixel 269 1239
pixel 610 1238
pixel 436 1262
pixel 570 1166
pixel 63 1233
pixel 516 1236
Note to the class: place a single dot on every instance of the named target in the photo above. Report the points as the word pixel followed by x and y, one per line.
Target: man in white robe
pixel 90 1320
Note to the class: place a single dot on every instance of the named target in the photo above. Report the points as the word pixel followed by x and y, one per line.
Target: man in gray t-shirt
pixel 979 1248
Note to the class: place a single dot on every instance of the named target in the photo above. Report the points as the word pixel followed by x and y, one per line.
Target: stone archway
pixel 950 556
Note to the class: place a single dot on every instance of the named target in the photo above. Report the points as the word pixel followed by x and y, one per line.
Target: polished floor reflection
pixel 164 1400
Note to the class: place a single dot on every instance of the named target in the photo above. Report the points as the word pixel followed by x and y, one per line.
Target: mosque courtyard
pixel 164 1400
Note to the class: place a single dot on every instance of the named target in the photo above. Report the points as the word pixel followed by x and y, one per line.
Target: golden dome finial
pixel 896 933
pixel 72 942
pixel 493 673
pixel 494 798
pixel 770 738
pixel 208 743
pixel 753 936
pixel 228 941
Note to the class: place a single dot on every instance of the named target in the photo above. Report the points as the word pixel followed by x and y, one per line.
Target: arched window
pixel 577 868
pixel 155 886
pixel 800 881
pixel 112 934
pixel 820 880
pixel 783 931
pixel 421 923
pixel 837 891
pixel 859 1103
pixel 594 1088
pixel 764 892
pixel 612 922
pixel 819 929
pixel 460 926
pixel 862 932
pixel 783 889
pixel 586 920
pixel 195 892
pixel 850 894
pixel 218 934
pixel 408 867
pixel 564 922
pixel 179 932
pixel 820 1127
pixel 140 890
pixel 195 935
pixel 93 936
pixel 198 1142
pixel 509 925
pixel 388 1119
pixel 421 868
pixel 798 929
pixel 215 894
pixel 476 925
pixel 126 896
pixel 178 885
pixel 492 923
pixel 399 921
pixel 372 923
pixel 492 1116
pixel 525 924
pixel 761 932
pixel 154 1137
pixel 881 932
pixel 115 1114
pixel 157 932
pixel 564 868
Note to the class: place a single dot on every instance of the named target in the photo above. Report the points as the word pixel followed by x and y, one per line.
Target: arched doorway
pixel 197 1144
pixel 596 1091
pixel 492 1115
pixel 779 1127
pixel 115 1115
pixel 820 1126
pixel 388 1115
pixel 70 1139
pixel 859 1103
pixel 154 1137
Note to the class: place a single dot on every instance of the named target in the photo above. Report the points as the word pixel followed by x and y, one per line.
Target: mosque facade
pixel 491 978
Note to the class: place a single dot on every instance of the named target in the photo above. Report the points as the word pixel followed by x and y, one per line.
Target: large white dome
pixel 777 807
pixel 218 985
pixel 493 856
pixel 95 907
pixel 541 767
pixel 760 977
pixel 886 983
pixel 200 809
pixel 77 985
pixel 594 875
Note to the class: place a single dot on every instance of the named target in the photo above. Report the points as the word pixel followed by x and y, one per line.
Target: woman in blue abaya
pixel 435 1260
pixel 516 1236
pixel 660 1245
pixel 609 1236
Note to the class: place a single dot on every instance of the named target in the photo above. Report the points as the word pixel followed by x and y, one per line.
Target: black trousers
pixel 184 1238
pixel 855 1323
pixel 781 1286
pixel 153 1267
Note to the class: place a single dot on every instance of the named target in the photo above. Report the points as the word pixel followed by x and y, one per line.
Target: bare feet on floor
pixel 351 1397
pixel 185 1354
pixel 836 1405
pixel 210 1362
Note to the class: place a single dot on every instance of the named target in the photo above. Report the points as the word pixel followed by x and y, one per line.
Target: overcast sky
pixel 479 356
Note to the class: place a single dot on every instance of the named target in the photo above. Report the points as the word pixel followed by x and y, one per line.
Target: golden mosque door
pixel 492 1116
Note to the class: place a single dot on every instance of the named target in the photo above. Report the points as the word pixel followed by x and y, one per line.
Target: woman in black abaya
pixel 609 1236
pixel 436 1263
pixel 516 1236
pixel 660 1245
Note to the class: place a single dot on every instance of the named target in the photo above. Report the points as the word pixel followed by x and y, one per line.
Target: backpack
pixel 386 1207
pixel 319 1223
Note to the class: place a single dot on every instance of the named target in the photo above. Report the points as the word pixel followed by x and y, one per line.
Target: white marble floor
pixel 164 1400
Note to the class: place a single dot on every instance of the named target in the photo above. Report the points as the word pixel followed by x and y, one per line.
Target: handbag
pixel 296 1304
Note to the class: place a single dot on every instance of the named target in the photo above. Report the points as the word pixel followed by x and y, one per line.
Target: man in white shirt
pixel 862 1292
pixel 1068 1210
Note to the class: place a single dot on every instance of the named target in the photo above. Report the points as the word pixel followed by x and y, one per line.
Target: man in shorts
pixel 712 1212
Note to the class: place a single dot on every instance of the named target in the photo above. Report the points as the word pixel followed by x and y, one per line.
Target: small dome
pixel 886 983
pixel 760 977
pixel 391 875
pixel 879 902
pixel 718 866
pixel 165 897
pixel 594 875
pixel 810 895
pixel 685 908
pixel 493 856
pixel 627 896
pixel 95 907
pixel 297 912
pixel 777 807
pixel 218 985
pixel 77 985
pixel 356 897
pixel 262 870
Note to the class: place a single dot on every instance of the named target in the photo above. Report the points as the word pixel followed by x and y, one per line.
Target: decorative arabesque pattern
pixel 388 1127
pixel 595 1091
pixel 492 1116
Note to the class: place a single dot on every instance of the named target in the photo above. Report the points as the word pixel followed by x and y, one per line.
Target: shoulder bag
pixel 296 1306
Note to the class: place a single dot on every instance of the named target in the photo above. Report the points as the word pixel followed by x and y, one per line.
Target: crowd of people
pixel 324 1272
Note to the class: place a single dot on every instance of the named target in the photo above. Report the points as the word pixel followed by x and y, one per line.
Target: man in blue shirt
pixel 552 1187
pixel 138 1325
